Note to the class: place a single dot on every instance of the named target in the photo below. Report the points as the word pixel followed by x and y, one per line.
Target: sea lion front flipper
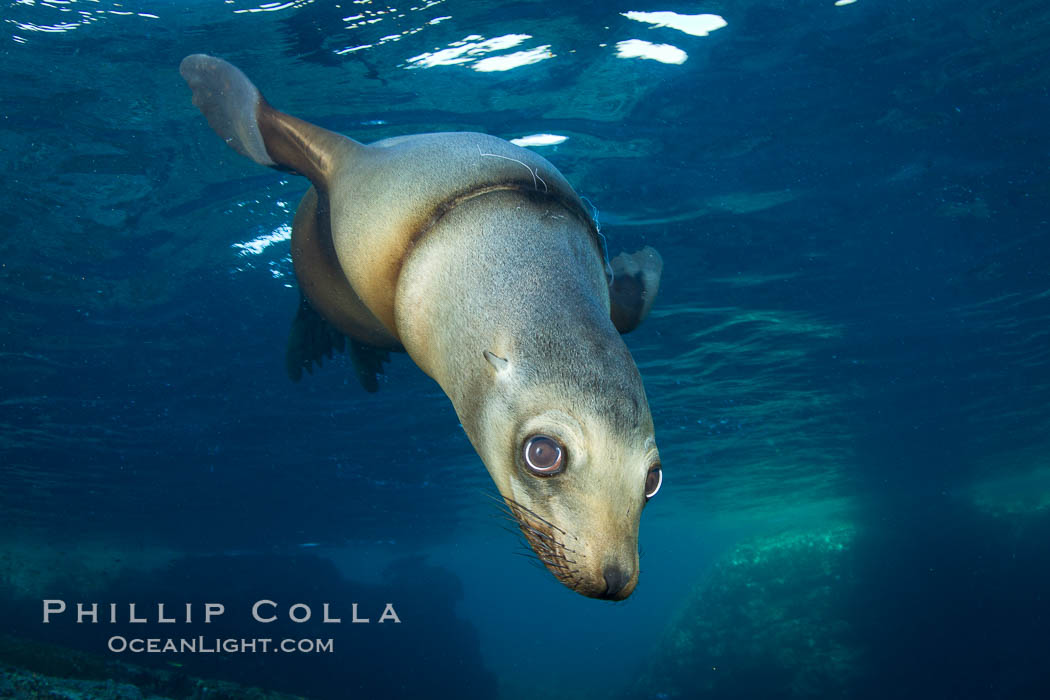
pixel 238 112
pixel 636 280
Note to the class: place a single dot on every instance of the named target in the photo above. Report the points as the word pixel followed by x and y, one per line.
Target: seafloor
pixel 31 670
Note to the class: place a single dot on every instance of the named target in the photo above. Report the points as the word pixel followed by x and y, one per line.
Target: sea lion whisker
pixel 550 539
pixel 534 514
pixel 540 547
pixel 527 545
pixel 497 499
pixel 537 546
pixel 505 510
pixel 540 540
pixel 524 543
pixel 543 553
pixel 546 551
pixel 522 522
pixel 539 533
pixel 552 563
pixel 511 530
pixel 518 517
pixel 525 548
pixel 532 561
pixel 526 552
pixel 501 504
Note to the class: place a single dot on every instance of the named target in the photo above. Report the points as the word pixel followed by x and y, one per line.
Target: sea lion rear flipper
pixel 238 112
pixel 368 363
pixel 636 280
pixel 312 338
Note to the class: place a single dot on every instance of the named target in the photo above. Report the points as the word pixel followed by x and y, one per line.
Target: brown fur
pixel 463 248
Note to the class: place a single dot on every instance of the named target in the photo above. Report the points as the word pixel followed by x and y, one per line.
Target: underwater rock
pixel 31 563
pixel 31 669
pixel 768 621
pixel 25 685
pixel 1013 494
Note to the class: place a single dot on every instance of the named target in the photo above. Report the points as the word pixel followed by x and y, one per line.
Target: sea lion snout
pixel 596 558
pixel 618 582
pixel 606 570
pixel 576 485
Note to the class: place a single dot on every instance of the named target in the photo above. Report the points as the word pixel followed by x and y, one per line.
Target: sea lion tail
pixel 238 112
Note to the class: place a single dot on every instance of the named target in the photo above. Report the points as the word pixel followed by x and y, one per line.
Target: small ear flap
pixel 636 280
pixel 500 363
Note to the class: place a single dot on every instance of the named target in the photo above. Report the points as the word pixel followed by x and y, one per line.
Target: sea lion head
pixel 566 433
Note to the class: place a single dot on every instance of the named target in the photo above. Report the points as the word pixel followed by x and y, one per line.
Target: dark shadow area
pixel 951 603
pixel 927 600
pixel 430 652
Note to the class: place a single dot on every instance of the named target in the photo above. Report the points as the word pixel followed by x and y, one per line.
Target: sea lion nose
pixel 616 579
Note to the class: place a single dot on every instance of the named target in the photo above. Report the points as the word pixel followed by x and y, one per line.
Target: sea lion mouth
pixel 547 542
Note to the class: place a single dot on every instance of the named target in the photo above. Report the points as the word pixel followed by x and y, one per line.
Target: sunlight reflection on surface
pixel 664 53
pixel 696 25
pixel 540 140
pixel 472 49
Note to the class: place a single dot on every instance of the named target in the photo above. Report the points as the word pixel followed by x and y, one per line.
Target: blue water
pixel 848 363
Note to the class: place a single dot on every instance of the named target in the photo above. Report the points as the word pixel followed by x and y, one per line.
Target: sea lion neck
pixel 500 294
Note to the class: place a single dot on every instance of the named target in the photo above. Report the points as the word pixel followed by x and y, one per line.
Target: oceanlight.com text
pixel 215 645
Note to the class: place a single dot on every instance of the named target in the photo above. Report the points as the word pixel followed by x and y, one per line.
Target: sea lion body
pixel 377 220
pixel 478 259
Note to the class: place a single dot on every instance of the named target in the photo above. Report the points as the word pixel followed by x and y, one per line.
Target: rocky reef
pixel 767 621
pixel 30 670
pixel 931 594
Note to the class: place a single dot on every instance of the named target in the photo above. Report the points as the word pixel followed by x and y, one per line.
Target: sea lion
pixel 478 259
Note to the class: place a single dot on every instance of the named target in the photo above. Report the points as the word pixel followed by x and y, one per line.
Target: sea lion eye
pixel 653 480
pixel 544 456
